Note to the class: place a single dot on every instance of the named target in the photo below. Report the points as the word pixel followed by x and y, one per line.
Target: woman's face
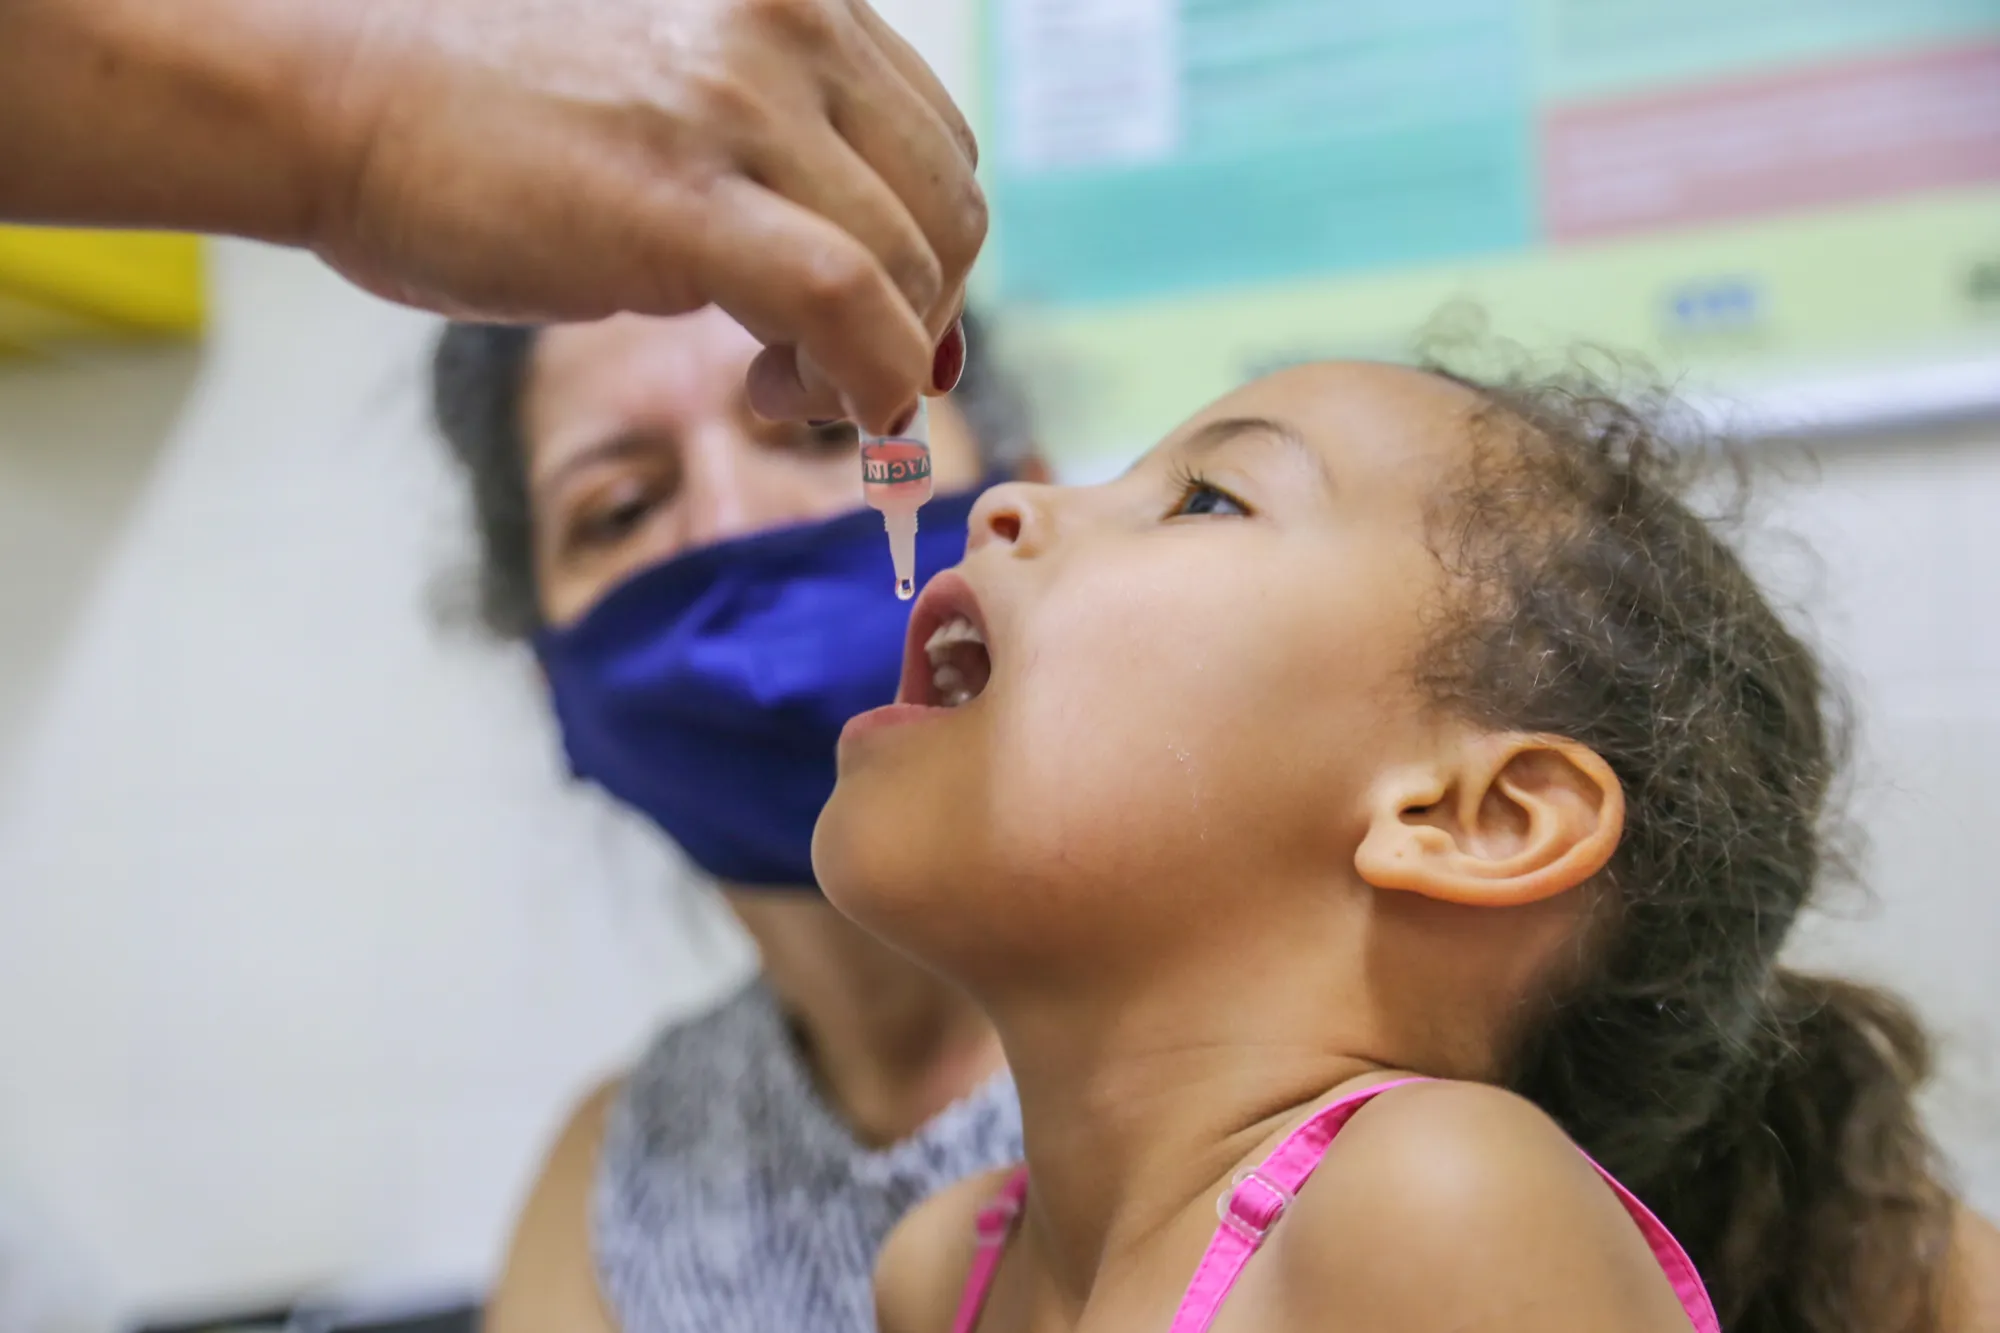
pixel 641 445
pixel 1193 674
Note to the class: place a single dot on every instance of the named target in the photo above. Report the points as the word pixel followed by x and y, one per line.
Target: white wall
pixel 1889 548
pixel 303 941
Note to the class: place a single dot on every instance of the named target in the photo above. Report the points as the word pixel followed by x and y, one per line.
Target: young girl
pixel 1384 790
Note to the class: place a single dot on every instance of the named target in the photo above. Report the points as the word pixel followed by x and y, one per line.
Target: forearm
pixel 195 115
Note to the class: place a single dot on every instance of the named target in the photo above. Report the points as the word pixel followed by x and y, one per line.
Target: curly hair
pixel 1767 1116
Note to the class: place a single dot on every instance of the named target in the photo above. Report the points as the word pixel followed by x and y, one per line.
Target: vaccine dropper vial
pixel 896 479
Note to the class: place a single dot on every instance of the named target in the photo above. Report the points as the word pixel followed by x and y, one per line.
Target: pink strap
pixel 1667 1251
pixel 995 1225
pixel 1257 1199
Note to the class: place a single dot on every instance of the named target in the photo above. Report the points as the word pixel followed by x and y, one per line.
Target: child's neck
pixel 1138 1111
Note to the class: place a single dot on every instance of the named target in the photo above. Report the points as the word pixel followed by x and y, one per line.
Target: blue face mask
pixel 709 692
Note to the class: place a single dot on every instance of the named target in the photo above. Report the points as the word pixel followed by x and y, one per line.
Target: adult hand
pixel 792 161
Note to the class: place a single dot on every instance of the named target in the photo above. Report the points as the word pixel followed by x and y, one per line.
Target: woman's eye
pixel 612 521
pixel 839 437
pixel 1200 499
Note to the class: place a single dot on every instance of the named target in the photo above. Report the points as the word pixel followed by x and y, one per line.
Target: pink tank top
pixel 1257 1199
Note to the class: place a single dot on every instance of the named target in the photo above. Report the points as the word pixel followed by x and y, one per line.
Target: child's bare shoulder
pixel 920 1274
pixel 1451 1205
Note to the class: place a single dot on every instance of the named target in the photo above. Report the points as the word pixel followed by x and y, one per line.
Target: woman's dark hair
pixel 478 376
pixel 1764 1114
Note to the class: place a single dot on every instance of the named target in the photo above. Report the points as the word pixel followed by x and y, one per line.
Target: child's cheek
pixel 1164 712
pixel 1112 752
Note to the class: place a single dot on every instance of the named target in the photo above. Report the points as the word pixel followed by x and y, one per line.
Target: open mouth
pixel 946 662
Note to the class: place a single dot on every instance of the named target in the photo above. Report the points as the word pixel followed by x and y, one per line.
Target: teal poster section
pixel 1148 148
pixel 1252 140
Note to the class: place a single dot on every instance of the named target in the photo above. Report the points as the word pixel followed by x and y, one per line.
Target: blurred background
pixel 306 944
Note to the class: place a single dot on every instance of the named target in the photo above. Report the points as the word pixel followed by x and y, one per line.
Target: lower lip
pixel 891 715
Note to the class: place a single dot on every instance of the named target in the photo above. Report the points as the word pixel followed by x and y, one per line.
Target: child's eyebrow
pixel 1215 434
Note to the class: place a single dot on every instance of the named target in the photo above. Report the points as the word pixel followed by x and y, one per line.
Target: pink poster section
pixel 1806 138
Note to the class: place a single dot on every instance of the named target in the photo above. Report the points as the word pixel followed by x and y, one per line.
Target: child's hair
pixel 1765 1115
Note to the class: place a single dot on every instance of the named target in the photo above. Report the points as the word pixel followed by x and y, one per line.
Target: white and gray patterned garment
pixel 730 1199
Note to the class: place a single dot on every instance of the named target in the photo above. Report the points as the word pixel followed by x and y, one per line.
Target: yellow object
pixel 59 286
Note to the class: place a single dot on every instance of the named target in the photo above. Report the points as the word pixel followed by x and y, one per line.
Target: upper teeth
pixel 951 684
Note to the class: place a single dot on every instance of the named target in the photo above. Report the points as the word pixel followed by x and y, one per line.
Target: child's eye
pixel 1201 498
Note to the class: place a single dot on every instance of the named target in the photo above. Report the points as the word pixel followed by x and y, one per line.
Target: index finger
pixel 793 278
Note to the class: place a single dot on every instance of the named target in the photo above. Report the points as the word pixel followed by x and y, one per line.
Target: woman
pixel 709 610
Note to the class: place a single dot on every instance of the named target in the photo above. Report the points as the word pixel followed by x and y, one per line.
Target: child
pixel 1388 782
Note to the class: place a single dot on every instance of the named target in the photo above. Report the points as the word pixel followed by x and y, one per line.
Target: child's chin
pixel 869 876
pixel 846 858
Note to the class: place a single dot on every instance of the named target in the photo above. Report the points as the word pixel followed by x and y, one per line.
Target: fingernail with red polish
pixel 949 363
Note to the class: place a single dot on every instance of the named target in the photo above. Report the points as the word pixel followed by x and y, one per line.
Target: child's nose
pixel 1011 512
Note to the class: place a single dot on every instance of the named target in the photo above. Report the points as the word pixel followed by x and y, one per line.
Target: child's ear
pixel 1509 819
